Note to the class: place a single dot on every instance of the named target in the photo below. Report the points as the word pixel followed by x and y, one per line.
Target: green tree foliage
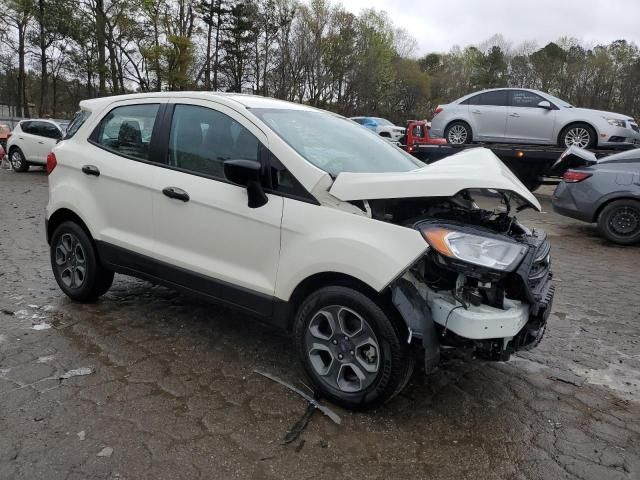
pixel 54 53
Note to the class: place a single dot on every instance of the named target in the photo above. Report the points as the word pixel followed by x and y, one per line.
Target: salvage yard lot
pixel 171 391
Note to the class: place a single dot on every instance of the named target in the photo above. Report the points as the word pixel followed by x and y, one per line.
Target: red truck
pixel 417 135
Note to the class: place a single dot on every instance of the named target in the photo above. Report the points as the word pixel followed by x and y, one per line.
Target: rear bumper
pixel 564 204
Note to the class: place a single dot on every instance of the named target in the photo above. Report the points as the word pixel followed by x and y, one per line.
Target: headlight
pixel 478 250
pixel 616 122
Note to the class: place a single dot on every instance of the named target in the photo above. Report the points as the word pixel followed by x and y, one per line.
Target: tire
pixel 385 134
pixel 17 160
pixel 75 264
pixel 458 133
pixel 352 352
pixel 579 134
pixel 619 221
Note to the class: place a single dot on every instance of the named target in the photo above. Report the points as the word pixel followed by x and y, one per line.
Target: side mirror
pixel 247 173
pixel 544 104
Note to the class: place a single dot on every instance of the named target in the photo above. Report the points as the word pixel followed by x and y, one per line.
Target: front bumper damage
pixel 439 318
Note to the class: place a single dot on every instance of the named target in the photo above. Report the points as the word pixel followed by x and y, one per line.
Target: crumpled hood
pixel 476 168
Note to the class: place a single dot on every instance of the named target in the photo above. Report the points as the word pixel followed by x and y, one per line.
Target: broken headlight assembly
pixel 483 251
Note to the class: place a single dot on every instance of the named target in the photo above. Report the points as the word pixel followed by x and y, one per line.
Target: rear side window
pixel 127 130
pixel 76 122
pixel 498 98
pixel 202 139
pixel 522 98
pixel 48 130
pixel 26 127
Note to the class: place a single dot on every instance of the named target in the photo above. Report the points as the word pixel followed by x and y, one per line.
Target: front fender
pixel 336 241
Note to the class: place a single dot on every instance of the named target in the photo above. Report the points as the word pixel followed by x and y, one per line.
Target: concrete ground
pixel 170 390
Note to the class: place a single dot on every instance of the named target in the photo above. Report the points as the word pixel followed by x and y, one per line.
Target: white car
pixel 382 127
pixel 31 141
pixel 363 253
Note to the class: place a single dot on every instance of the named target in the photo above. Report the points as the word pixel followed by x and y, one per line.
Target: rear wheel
pixel 458 133
pixel 75 264
pixel 578 135
pixel 619 221
pixel 18 162
pixel 351 350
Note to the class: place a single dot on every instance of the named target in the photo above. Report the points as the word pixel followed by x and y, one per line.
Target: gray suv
pixel 517 115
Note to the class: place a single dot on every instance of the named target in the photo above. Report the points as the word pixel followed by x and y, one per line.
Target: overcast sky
pixel 437 26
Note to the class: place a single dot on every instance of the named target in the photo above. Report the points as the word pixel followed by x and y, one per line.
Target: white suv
pixel 31 141
pixel 365 254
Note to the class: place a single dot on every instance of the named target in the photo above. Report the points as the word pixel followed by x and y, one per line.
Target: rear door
pixel 488 115
pixel 47 135
pixel 221 246
pixel 27 140
pixel 528 123
pixel 116 170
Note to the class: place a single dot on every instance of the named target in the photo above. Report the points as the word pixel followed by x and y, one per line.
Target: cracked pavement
pixel 167 388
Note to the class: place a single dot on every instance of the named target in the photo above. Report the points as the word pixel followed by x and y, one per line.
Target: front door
pixel 203 224
pixel 527 122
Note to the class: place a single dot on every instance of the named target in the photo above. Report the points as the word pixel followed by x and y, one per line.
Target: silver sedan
pixel 516 115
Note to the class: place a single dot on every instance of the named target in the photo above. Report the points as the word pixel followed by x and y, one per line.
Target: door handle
pixel 477 112
pixel 517 115
pixel 91 170
pixel 41 143
pixel 177 193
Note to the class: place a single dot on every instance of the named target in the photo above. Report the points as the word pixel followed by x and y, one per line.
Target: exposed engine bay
pixel 485 281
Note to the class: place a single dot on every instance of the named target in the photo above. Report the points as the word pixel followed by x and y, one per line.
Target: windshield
pixel 335 144
pixel 557 101
pixel 384 122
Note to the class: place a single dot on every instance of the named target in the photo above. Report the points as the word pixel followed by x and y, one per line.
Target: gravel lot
pixel 172 393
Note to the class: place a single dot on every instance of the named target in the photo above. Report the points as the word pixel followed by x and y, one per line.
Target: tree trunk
pixel 43 60
pixel 216 54
pixel 100 42
pixel 207 66
pixel 23 104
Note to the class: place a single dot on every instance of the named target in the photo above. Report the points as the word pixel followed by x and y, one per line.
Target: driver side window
pixel 201 139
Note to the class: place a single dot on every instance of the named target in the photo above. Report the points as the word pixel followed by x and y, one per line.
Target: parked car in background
pixel 366 255
pixel 31 141
pixel 381 126
pixel 605 191
pixel 5 133
pixel 516 115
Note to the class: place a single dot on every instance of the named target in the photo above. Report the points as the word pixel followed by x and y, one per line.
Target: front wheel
pixel 350 349
pixel 619 222
pixel 18 162
pixel 76 267
pixel 458 133
pixel 578 135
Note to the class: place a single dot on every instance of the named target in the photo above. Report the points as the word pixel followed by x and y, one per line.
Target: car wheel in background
pixel 18 162
pixel 619 221
pixel 75 264
pixel 579 135
pixel 458 133
pixel 353 353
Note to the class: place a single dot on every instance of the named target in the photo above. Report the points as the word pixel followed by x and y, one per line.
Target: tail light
pixel 573 176
pixel 438 110
pixel 51 162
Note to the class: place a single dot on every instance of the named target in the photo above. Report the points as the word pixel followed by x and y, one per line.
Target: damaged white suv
pixel 302 218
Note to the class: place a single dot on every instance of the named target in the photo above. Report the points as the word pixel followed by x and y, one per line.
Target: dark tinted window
pixel 202 139
pixel 471 100
pixel 48 130
pixel 496 98
pixel 76 122
pixel 417 131
pixel 127 130
pixel 27 127
pixel 522 98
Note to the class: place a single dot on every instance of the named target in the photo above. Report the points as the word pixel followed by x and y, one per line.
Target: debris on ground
pixel 328 412
pixel 77 372
pixel 81 435
pixel 293 434
pixel 7 312
pixel 105 452
pixel 41 326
